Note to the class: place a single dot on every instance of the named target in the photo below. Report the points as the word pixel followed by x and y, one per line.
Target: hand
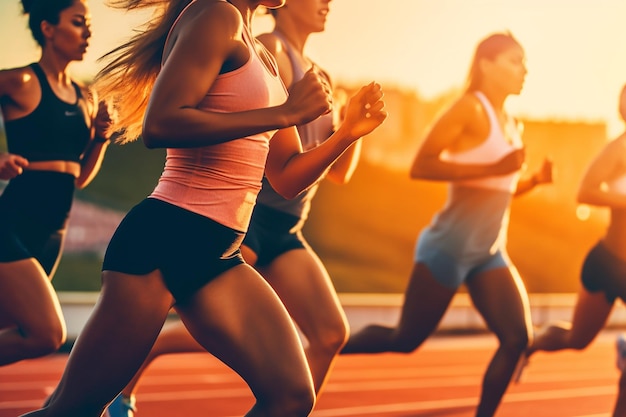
pixel 309 98
pixel 11 165
pixel 511 162
pixel 105 118
pixel 365 111
pixel 545 174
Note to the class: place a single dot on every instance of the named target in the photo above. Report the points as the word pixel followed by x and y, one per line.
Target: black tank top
pixel 54 131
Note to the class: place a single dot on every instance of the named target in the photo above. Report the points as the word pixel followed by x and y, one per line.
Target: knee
pixel 297 401
pixel 405 344
pixel 579 344
pixel 302 402
pixel 404 347
pixel 331 339
pixel 516 342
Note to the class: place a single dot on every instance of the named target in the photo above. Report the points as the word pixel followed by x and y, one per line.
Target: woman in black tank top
pixel 56 138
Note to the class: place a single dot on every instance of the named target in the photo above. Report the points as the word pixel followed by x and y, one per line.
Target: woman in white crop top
pixel 603 274
pixel 475 147
pixel 216 102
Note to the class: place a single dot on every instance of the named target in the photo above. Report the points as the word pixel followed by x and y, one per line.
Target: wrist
pixel 534 181
pixel 101 139
pixel 345 135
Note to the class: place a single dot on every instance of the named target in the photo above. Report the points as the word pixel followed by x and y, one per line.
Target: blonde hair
pixel 132 69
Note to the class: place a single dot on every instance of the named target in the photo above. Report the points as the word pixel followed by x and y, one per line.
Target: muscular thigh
pixel 500 297
pixel 239 318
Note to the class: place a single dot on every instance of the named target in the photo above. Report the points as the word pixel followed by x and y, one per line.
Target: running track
pixel 440 380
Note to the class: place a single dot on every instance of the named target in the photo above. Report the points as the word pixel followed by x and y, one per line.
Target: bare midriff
pixel 67 167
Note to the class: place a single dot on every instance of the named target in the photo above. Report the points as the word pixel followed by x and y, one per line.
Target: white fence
pixel 362 309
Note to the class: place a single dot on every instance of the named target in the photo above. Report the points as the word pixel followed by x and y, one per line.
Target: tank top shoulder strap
pixel 79 92
pixel 298 72
pixel 41 76
pixel 45 85
pixel 488 107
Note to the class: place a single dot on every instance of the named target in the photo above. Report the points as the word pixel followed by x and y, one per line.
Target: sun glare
pixel 583 212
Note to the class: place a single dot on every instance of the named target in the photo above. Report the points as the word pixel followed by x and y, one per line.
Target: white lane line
pixel 464 402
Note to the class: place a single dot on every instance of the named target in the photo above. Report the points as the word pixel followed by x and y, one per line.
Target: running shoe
pixel 620 345
pixel 122 406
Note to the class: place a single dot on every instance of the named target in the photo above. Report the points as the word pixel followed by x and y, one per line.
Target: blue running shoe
pixel 122 406
pixel 620 345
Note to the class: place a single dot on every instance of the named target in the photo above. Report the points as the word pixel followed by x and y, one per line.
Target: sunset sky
pixel 576 61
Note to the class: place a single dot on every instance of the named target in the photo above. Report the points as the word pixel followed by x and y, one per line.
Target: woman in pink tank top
pixel 274 243
pixel 213 97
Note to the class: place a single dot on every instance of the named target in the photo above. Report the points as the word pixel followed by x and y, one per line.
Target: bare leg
pixel 239 319
pixel 30 314
pixel 500 297
pixel 425 302
pixel 620 405
pixel 115 341
pixel 590 315
pixel 304 286
pixel 174 338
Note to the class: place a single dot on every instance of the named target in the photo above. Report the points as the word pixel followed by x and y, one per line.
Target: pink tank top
pixel 222 181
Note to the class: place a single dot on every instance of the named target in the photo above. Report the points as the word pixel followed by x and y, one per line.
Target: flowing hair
pixel 132 67
pixel 489 48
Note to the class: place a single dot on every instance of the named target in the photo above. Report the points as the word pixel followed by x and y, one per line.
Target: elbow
pixel 81 183
pixel 419 168
pixel 288 194
pixel 150 137
pixel 342 180
pixel 339 179
pixel 286 190
pixel 582 198
pixel 154 132
pixel 417 173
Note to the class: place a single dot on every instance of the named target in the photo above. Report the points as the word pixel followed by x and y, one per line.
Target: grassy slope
pixel 365 233
pixel 128 174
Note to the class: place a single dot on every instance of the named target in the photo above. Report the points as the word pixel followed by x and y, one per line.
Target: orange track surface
pixel 441 379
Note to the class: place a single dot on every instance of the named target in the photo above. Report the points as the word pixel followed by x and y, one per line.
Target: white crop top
pixel 499 142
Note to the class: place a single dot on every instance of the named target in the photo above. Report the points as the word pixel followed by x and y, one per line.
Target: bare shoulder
pixel 272 43
pixel 14 80
pixel 206 28
pixel 466 109
pixel 212 15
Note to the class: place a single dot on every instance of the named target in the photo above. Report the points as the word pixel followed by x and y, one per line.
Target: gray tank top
pixel 311 135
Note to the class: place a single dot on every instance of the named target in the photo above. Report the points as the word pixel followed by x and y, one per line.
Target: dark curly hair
pixel 43 10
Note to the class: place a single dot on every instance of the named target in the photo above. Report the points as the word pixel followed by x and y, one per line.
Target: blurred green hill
pixel 129 173
pixel 365 231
